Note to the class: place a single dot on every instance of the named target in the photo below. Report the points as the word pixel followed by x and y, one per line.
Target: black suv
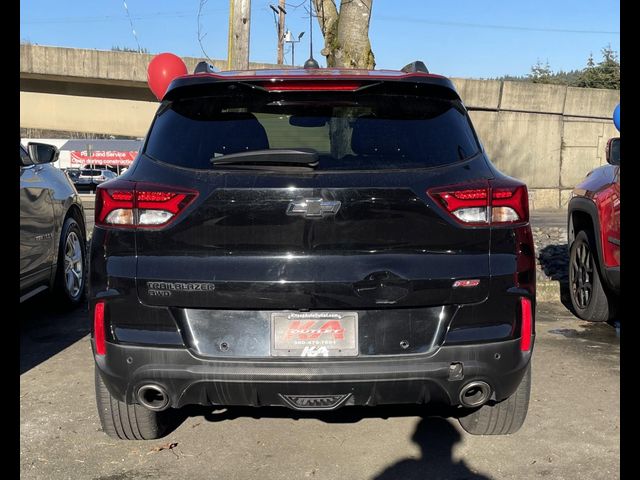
pixel 312 239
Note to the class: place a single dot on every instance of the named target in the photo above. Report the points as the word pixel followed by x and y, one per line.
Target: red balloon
pixel 162 69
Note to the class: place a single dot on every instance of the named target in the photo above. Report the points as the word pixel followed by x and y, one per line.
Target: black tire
pixel 589 298
pixel 64 297
pixel 126 421
pixel 501 418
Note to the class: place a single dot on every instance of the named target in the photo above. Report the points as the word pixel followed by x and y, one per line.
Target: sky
pixel 455 38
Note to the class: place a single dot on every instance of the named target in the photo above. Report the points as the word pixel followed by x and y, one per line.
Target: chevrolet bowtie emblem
pixel 313 207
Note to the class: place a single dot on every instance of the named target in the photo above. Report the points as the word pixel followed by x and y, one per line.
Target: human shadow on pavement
pixel 436 438
pixel 435 435
pixel 46 331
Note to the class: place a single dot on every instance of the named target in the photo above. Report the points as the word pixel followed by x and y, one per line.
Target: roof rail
pixel 205 67
pixel 413 67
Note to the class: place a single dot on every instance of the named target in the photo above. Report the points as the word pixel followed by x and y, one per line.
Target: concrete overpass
pixel 92 91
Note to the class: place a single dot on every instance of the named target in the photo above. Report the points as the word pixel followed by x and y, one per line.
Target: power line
pixel 493 27
pixel 296 6
pixel 111 18
pixel 108 18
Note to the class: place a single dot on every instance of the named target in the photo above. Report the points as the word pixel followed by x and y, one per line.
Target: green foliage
pixel 541 73
pixel 605 74
pixel 127 49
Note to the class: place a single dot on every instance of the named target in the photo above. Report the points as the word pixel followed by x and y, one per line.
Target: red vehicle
pixel 594 240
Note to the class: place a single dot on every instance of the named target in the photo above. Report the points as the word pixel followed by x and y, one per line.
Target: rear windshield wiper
pixel 269 157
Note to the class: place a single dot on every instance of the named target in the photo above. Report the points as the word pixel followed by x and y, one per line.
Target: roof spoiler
pixel 205 67
pixel 413 67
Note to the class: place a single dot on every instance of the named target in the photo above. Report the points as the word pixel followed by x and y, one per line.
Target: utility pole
pixel 239 23
pixel 281 32
pixel 280 12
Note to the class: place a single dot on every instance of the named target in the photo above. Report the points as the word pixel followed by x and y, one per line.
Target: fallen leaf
pixel 166 446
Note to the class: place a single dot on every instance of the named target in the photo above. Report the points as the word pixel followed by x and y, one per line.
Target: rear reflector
pixel 98 329
pixel 466 283
pixel 140 205
pixel 491 202
pixel 526 331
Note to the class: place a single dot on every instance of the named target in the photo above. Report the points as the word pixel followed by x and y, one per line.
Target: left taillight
pixel 139 205
pixel 492 202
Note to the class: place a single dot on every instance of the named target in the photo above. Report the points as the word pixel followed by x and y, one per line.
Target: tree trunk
pixel 346 33
pixel 346 45
pixel 327 14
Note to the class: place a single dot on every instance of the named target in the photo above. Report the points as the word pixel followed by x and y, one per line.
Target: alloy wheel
pixel 73 265
pixel 582 276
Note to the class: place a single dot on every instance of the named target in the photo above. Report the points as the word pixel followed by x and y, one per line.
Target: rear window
pixel 91 173
pixel 348 130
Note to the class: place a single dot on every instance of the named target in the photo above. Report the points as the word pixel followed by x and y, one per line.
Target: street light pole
pixel 288 38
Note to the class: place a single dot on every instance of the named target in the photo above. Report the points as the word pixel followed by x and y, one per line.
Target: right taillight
pixel 139 205
pixel 491 202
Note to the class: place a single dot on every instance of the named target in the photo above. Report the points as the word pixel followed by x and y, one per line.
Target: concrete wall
pixel 546 135
pixel 550 136
pixel 108 66
pixel 86 114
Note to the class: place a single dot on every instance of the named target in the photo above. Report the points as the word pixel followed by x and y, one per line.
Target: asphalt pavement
pixel 572 431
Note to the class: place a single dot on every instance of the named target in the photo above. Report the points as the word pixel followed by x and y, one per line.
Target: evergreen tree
pixel 605 74
pixel 541 73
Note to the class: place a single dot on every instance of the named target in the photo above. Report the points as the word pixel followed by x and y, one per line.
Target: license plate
pixel 314 334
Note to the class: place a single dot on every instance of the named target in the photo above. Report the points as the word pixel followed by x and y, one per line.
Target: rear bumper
pixel 357 381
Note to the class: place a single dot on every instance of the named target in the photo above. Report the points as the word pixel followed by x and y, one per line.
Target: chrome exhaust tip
pixel 153 397
pixel 475 394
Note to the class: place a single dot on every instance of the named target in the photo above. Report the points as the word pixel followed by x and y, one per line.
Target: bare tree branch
pixel 201 36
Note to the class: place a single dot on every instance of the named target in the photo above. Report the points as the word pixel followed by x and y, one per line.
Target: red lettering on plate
pixel 306 330
pixel 335 327
pixel 296 328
